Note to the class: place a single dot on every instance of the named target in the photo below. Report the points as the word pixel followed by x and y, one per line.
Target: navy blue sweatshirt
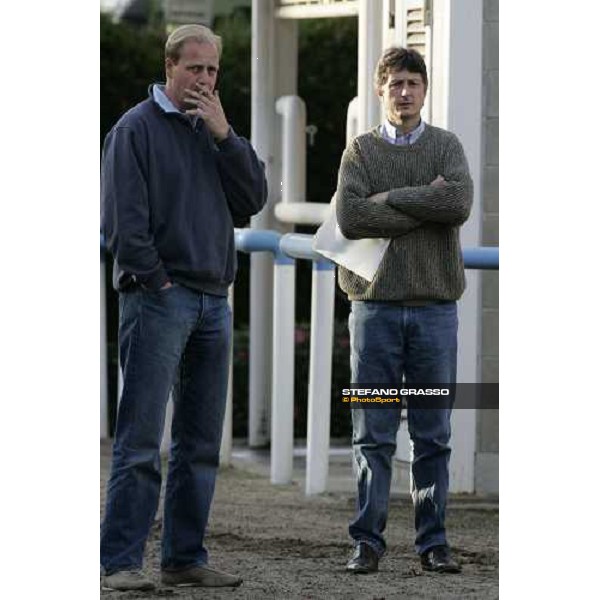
pixel 170 195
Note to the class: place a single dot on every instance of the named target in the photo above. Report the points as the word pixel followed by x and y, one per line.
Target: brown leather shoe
pixel 438 559
pixel 364 559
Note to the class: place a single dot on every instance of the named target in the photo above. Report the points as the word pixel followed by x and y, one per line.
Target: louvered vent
pixel 180 12
pixel 311 2
pixel 416 37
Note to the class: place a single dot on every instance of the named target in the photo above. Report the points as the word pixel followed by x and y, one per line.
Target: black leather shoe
pixel 438 559
pixel 364 560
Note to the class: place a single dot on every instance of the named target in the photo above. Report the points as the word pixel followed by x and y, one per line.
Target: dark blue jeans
pixel 388 343
pixel 171 339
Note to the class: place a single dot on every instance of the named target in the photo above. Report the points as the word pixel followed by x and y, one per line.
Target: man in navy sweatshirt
pixel 175 176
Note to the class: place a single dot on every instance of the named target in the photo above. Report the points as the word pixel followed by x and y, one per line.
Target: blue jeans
pixel 390 342
pixel 175 339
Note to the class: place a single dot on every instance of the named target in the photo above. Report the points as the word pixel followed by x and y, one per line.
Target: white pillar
pixel 286 69
pixel 103 356
pixel 369 50
pixel 285 84
pixel 319 385
pixel 165 444
pixel 282 405
pixel 259 377
pixel 227 437
pixel 388 8
pixel 455 103
pixel 352 120
pixel 274 72
pixel 293 164
pixel 261 264
pixel 457 106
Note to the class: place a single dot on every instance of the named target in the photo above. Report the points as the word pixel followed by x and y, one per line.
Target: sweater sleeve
pixel 449 204
pixel 242 176
pixel 358 215
pixel 125 210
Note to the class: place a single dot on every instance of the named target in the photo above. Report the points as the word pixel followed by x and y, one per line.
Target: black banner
pixel 426 395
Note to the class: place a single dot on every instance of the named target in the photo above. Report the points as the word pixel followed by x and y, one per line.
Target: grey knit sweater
pixel 424 260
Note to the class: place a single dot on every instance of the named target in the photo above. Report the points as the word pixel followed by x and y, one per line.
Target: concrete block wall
pixel 486 458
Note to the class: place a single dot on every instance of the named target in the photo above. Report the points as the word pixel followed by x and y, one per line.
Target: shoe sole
pixel 362 571
pixel 106 588
pixel 188 585
pixel 442 569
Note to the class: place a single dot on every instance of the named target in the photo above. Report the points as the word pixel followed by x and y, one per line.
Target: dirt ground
pixel 288 546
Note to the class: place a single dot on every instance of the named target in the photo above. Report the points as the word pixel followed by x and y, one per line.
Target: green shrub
pixel 341 425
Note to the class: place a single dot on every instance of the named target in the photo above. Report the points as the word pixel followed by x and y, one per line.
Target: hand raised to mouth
pixel 208 106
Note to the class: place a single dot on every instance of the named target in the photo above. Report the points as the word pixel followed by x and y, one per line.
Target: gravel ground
pixel 287 546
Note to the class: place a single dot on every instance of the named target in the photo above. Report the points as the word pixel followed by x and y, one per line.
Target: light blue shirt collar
pixel 161 98
pixel 392 135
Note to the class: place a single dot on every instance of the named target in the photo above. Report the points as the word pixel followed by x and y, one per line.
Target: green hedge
pixel 341 425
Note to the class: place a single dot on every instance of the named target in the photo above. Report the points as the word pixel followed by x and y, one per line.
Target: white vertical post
pixel 426 112
pixel 319 385
pixel 369 49
pixel 352 120
pixel 459 26
pixel 261 264
pixel 465 119
pixel 227 437
pixel 260 356
pixel 282 404
pixel 166 439
pixel 103 355
pixel 388 9
pixel 455 103
pixel 399 23
pixel 293 168
pixel 285 83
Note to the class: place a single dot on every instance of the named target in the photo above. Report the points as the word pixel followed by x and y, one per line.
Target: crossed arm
pixel 361 214
pixel 446 200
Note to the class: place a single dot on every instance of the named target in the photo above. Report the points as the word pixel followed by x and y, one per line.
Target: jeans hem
pixel 106 572
pixel 183 568
pixel 374 545
pixel 422 548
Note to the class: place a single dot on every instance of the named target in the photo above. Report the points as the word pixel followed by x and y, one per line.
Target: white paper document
pixel 359 256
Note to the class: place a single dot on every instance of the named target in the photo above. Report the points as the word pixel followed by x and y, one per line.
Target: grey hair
pixel 197 33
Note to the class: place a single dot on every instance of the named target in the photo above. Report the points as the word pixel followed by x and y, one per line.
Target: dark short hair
pixel 398 59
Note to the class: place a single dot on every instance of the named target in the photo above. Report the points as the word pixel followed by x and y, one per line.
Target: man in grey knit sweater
pixel 410 182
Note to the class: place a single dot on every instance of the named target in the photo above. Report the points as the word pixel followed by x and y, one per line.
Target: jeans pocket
pixel 166 290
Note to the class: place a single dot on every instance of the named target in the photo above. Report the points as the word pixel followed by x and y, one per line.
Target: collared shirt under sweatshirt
pixel 170 195
pixel 424 259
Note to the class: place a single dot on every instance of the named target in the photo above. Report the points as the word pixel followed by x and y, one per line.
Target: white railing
pixel 286 249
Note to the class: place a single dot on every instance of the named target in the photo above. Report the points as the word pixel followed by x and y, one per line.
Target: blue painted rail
pixel 286 250
pixel 299 245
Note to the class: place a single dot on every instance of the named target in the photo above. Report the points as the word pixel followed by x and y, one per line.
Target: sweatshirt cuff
pixel 154 280
pixel 231 143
